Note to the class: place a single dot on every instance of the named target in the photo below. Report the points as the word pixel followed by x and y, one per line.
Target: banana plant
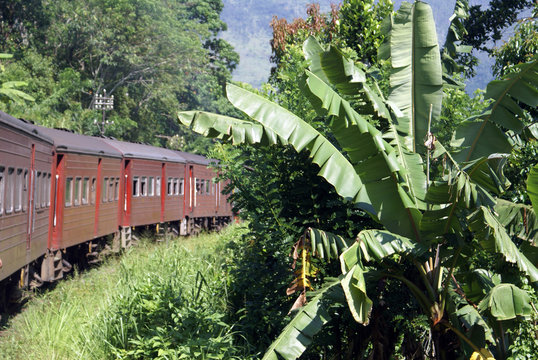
pixel 432 224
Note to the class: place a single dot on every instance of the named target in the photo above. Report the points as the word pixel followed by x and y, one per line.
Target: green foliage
pixel 360 27
pixel 174 308
pixel 164 300
pixel 8 89
pixel 483 26
pixel 429 225
pixel 521 47
pixel 152 55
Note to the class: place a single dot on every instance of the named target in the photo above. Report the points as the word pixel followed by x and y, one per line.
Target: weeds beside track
pixel 164 300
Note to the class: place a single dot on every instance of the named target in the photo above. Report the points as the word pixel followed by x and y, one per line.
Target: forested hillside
pixel 249 32
pixel 154 56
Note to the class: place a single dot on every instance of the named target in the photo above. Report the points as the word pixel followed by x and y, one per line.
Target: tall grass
pixel 163 301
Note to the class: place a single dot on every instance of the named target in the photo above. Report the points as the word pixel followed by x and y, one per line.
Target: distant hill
pixel 249 32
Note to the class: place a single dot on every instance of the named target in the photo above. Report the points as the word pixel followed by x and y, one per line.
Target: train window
pixel 151 186
pixel 111 190
pixel 18 191
pixel 92 192
pixel 158 186
pixel 117 189
pixel 68 191
pixel 25 191
pixel 37 195
pixel 2 169
pixel 85 190
pixel 170 186
pixel 181 186
pixel 9 190
pixel 208 187
pixel 144 186
pixel 78 184
pixel 176 186
pixel 104 190
pixel 136 186
pixel 47 190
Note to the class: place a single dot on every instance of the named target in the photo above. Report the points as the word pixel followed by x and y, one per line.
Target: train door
pixel 58 196
pixel 97 189
pixel 192 189
pixel 160 189
pixel 127 193
pixel 30 188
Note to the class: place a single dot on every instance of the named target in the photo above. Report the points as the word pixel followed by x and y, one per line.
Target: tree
pixel 152 55
pixel 435 226
pixel 486 26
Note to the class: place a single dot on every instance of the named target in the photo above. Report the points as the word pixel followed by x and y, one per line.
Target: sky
pixel 251 38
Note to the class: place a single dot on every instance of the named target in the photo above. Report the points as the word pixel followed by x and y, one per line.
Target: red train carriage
pixel 152 185
pixel 25 185
pixel 86 175
pixel 62 193
pixel 205 205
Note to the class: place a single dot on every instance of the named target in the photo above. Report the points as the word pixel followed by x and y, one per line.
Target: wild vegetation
pixel 442 229
pixel 159 301
pixel 153 56
pixel 407 205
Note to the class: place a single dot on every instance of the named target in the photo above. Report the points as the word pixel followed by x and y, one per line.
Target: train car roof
pixel 23 126
pixel 195 158
pixel 141 151
pixel 68 142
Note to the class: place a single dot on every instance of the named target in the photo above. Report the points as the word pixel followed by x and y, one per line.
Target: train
pixel 65 197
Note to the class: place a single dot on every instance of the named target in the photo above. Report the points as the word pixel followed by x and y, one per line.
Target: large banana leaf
pixel 354 287
pixel 493 236
pixel 416 75
pixel 393 189
pixel 506 302
pixel 326 245
pixel 334 68
pixel 229 129
pixel 532 186
pixel 349 79
pixel 456 31
pixel 289 128
pixel 481 136
pixel 298 334
pixel 519 219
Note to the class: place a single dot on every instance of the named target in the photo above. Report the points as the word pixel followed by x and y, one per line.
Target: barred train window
pixel 93 191
pixel 151 186
pixel 38 189
pixel 111 191
pixel 18 191
pixel 104 195
pixel 85 192
pixel 68 191
pixel 158 186
pixel 169 186
pixel 47 190
pixel 181 186
pixel 136 187
pixel 144 186
pixel 25 191
pixel 76 198
pixel 176 185
pixel 117 189
pixel 10 190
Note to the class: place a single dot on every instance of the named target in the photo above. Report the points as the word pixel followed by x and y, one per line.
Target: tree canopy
pixel 154 56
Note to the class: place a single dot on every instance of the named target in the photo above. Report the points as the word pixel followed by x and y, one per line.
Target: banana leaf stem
pixel 450 274
pixel 460 335
pixel 427 283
